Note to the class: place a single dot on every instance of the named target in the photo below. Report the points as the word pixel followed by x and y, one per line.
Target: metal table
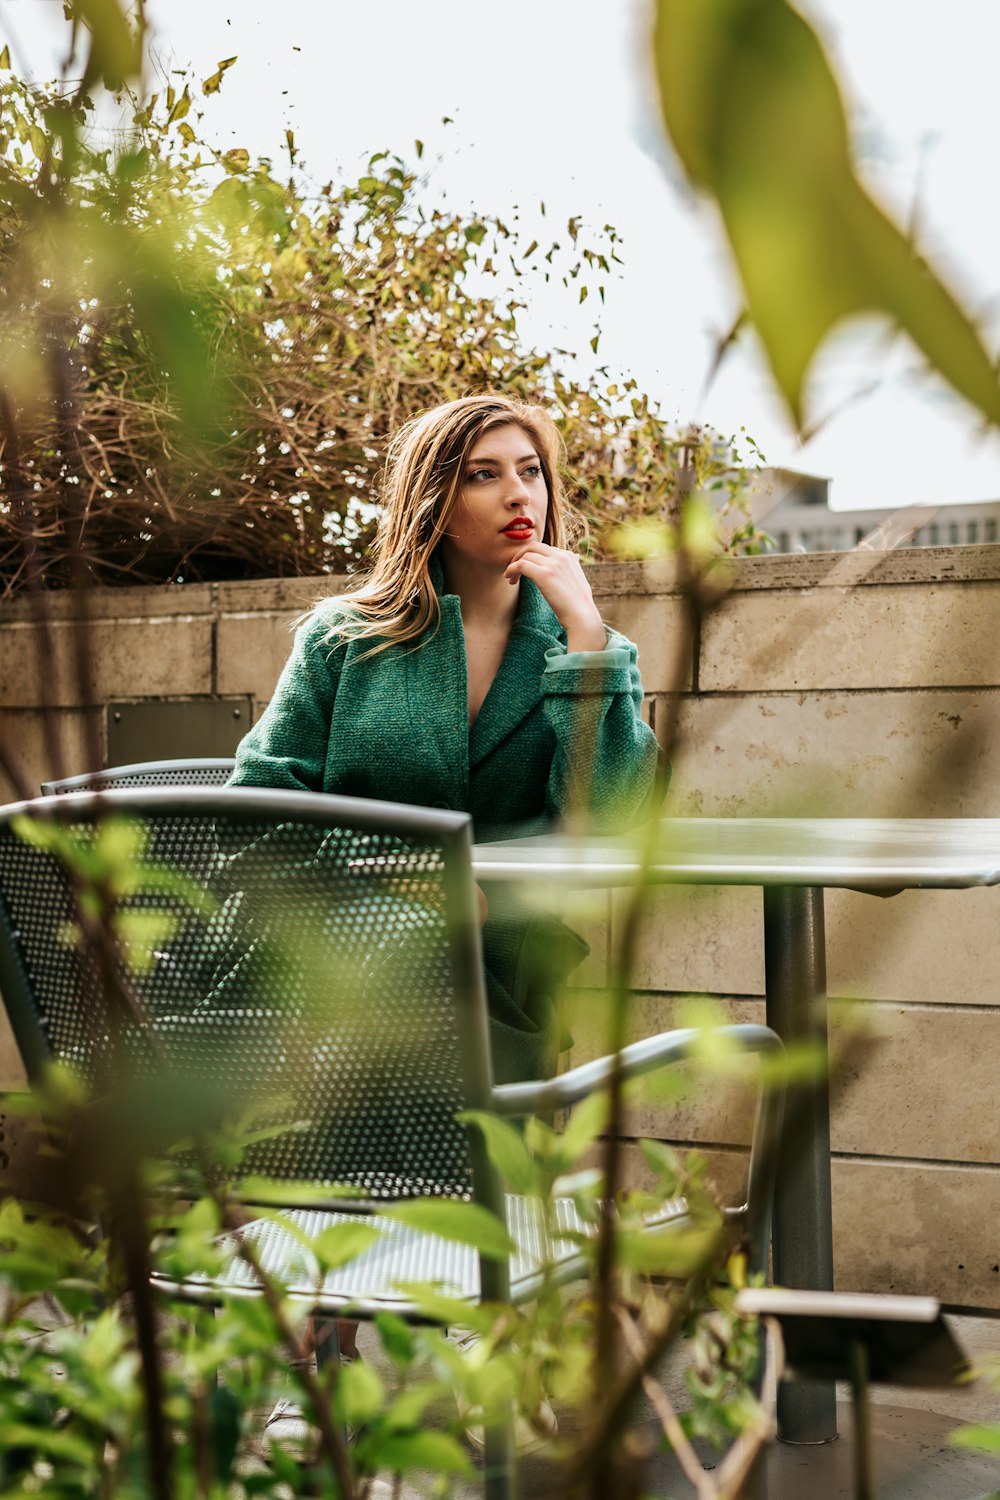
pixel 793 860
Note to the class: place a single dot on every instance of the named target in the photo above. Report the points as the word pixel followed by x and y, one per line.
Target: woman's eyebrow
pixel 476 463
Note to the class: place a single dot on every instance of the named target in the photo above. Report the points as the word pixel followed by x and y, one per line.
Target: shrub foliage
pixel 202 358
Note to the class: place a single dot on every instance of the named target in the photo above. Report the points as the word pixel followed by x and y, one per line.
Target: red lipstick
pixel 519 527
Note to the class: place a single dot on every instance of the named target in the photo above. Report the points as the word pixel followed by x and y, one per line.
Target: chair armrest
pixel 543 1096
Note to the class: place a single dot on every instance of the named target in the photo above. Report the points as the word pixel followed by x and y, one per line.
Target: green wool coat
pixel 558 732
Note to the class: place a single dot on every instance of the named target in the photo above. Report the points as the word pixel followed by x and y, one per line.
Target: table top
pixel 874 854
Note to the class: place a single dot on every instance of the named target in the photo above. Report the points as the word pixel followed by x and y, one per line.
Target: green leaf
pixel 5 59
pixel 115 46
pixel 277 1193
pixel 664 1161
pixel 409 1406
pixel 754 111
pixel 212 84
pixel 141 933
pixel 225 1428
pixel 341 1243
pixel 401 1452
pixel 36 136
pixel 982 1436
pixel 118 844
pixel 438 1307
pixel 38 834
pixel 397 1339
pixel 643 539
pixel 678 1252
pixel 506 1149
pixel 585 1124
pixel 360 1393
pixel 463 1223
pixel 41 1439
pixel 236 160
pixel 180 108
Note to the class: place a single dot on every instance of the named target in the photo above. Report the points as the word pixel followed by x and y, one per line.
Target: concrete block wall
pixel 857 685
pixel 833 686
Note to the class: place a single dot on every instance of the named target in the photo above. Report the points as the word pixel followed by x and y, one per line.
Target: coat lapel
pixel 437 689
pixel 516 690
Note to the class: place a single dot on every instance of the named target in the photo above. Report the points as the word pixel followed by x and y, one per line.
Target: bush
pixel 204 360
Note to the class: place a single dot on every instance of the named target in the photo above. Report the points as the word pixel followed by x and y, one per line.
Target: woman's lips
pixel 519 528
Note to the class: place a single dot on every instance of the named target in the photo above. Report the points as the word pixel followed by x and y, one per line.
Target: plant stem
pixel 133 1245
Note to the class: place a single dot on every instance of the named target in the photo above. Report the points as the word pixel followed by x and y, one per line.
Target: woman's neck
pixel 486 598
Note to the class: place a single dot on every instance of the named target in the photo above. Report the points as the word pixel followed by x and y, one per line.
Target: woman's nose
pixel 517 493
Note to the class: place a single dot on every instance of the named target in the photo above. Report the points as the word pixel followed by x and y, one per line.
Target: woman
pixel 470 670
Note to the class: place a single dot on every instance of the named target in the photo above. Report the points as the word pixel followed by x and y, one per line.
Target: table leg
pixel 795 980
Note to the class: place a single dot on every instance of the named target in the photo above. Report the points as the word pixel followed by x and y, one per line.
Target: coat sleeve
pixel 606 768
pixel 287 747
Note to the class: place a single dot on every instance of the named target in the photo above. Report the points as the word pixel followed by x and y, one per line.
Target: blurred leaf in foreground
pixel 753 110
pixel 115 42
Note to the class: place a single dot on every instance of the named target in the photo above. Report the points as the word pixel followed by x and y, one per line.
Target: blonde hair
pixel 424 471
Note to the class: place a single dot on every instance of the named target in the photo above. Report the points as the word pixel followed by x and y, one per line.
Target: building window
pixel 933 534
pixel 990 531
pixel 953 533
pixel 972 531
pixel 859 534
pixel 782 540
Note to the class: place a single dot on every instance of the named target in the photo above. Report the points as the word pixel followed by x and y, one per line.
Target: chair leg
pixel 499 1473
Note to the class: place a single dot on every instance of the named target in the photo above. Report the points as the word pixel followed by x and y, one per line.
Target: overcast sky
pixel 552 99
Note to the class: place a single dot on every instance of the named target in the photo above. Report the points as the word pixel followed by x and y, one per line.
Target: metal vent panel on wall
pixel 150 729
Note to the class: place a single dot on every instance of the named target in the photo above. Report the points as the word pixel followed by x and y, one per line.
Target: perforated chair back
pixel 202 771
pixel 319 953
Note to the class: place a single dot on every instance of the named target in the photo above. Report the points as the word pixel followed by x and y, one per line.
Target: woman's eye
pixel 533 471
pixel 478 476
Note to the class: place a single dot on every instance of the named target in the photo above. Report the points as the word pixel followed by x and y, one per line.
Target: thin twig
pixel 675 1434
pixel 735 1467
pixel 608 1418
pixel 27 538
pixel 623 967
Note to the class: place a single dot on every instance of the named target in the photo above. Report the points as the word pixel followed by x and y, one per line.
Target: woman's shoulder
pixel 342 632
pixel 326 628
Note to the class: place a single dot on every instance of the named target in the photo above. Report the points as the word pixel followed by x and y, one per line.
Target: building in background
pixel 794 509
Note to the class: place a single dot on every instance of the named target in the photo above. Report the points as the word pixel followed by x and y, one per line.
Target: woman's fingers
pixel 564 585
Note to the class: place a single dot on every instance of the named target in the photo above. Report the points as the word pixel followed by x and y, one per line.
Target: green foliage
pixel 983 1437
pixel 754 111
pixel 148 1152
pixel 72 1408
pixel 204 360
pixel 465 1223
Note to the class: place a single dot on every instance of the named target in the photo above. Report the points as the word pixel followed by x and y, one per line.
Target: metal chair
pixel 201 771
pixel 335 960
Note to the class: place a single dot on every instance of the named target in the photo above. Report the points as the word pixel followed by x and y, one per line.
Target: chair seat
pixel 371 1283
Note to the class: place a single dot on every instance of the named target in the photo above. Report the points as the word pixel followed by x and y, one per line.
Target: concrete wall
pixel 855 685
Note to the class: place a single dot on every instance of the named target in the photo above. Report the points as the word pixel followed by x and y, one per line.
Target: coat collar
pixel 517 688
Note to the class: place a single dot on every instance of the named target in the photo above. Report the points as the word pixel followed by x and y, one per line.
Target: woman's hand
pixel 564 585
